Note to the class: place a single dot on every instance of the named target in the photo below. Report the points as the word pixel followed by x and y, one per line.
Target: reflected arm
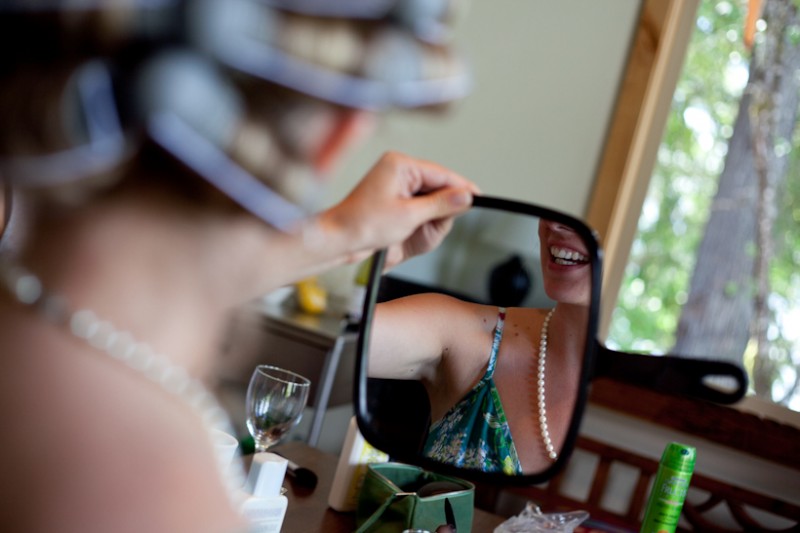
pixel 408 337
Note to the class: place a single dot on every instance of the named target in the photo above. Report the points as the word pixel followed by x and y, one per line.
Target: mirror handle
pixel 674 375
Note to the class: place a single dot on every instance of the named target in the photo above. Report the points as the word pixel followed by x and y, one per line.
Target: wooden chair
pixel 712 506
pixel 551 497
pixel 713 495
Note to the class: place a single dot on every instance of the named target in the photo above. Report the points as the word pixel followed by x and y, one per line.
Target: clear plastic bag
pixel 532 520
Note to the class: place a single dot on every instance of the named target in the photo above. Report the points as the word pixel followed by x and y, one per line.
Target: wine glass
pixel 275 401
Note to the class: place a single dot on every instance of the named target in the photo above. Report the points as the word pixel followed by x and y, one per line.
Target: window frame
pixel 635 132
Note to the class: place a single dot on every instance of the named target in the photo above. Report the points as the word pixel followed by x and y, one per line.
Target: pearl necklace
pixel 27 289
pixel 540 388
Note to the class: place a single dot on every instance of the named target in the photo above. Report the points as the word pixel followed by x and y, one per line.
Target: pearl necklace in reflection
pixel 27 289
pixel 540 386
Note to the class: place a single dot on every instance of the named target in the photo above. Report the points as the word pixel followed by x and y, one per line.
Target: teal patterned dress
pixel 474 433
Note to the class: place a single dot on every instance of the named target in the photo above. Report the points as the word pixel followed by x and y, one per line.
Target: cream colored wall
pixel 546 75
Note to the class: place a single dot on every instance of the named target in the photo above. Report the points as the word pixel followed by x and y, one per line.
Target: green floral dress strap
pixel 474 433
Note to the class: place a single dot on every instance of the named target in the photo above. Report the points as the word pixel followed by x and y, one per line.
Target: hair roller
pixel 85 137
pixel 189 86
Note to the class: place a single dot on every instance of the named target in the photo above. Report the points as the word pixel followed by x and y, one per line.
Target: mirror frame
pixel 674 375
pixel 360 392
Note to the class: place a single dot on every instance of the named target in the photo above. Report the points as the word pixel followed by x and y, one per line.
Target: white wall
pixel 546 76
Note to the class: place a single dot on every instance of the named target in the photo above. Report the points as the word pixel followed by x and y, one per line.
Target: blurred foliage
pixel 784 301
pixel 690 160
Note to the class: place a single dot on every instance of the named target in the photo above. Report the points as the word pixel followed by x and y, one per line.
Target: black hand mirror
pixel 475 358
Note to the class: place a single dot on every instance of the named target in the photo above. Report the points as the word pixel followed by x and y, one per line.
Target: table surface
pixel 308 509
pixel 327 326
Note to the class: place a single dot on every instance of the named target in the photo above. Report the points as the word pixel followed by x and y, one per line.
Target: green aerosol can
pixel 669 489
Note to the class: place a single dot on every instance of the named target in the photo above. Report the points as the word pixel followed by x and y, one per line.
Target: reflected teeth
pixel 562 256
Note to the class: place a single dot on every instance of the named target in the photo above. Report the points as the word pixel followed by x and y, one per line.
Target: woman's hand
pixel 402 203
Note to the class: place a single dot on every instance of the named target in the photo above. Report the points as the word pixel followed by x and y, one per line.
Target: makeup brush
pixel 300 475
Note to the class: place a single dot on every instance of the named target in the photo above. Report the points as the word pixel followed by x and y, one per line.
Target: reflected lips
pixel 565 256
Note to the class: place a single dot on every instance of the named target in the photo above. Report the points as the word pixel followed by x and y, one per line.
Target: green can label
pixel 667 496
pixel 673 488
pixel 666 503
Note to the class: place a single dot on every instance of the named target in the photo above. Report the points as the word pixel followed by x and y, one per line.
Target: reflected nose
pixel 557 226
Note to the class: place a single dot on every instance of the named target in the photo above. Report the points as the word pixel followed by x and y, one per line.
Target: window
pixel 689 200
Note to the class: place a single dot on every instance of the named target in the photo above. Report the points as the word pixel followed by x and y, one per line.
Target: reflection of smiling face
pixel 565 264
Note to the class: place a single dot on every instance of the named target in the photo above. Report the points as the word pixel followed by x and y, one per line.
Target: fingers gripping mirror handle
pixel 715 381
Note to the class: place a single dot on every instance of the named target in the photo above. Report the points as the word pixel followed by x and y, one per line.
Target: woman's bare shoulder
pixel 527 319
pixel 435 301
pixel 111 438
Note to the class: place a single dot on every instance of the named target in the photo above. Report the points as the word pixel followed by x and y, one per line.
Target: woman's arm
pixel 413 337
pixel 403 204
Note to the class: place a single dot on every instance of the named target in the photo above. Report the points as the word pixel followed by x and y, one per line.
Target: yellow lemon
pixel 311 296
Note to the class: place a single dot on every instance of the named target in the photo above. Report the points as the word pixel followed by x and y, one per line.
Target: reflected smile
pixel 564 256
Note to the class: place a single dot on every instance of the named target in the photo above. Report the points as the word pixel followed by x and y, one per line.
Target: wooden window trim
pixel 637 125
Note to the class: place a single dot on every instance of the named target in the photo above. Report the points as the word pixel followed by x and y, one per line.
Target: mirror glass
pixel 459 364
